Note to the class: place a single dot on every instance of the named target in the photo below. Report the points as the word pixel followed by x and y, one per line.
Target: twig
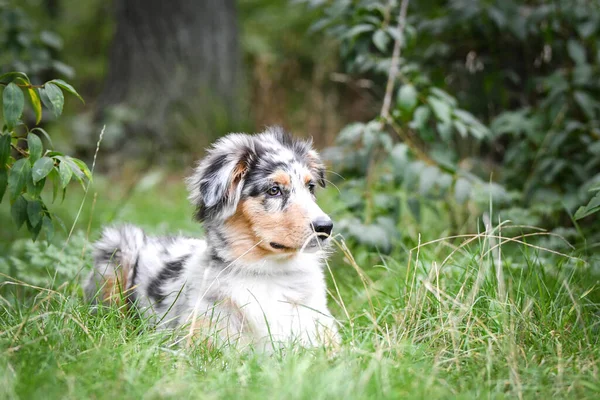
pixel 411 143
pixel 26 85
pixel 19 150
pixel 87 188
pixel 387 100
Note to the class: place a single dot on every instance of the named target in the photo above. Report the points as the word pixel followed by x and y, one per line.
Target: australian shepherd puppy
pixel 257 279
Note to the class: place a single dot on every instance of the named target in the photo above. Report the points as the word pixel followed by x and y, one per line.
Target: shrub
pixel 44 264
pixel 527 73
pixel 24 163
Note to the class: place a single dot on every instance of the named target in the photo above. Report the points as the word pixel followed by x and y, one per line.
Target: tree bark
pixel 174 73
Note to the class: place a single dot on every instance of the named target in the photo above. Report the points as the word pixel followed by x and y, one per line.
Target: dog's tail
pixel 115 264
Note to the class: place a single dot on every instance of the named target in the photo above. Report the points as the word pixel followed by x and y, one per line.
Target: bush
pixel 24 164
pixel 44 264
pixel 530 142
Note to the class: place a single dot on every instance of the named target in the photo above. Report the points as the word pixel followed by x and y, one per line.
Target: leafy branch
pixel 23 172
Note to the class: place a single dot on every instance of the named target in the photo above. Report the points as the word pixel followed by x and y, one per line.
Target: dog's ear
pixel 216 185
pixel 316 166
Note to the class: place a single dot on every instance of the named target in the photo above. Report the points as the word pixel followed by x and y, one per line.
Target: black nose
pixel 323 227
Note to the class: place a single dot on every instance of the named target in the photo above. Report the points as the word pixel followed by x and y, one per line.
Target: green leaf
pixel 60 223
pixel 65 173
pixel 414 205
pixel 75 169
pixel 440 94
pixel 466 117
pixel 420 117
pixel 65 86
pixel 48 227
pixel 586 29
pixel 34 98
pixel 13 103
pixel 18 211
pixel 393 32
pixel 576 51
pixel 17 179
pixel 82 166
pixel 54 177
pixel 462 190
pixel 407 97
pixel 592 207
pixel 11 76
pixel 63 69
pixel 358 29
pixel 46 136
pixel 440 108
pixel 445 131
pixel 444 181
pixel 399 155
pixel 35 189
pixel 34 212
pixel 4 150
pixel 479 131
pixel 427 179
pixel 3 183
pixel 381 40
pixel 35 147
pixel 35 104
pixel 53 98
pixel 42 168
pixel 51 39
pixel 586 102
pixel 461 128
pixel 351 134
pixel 34 230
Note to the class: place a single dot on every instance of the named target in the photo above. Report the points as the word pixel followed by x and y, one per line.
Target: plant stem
pixel 19 150
pixel 387 100
pixel 27 85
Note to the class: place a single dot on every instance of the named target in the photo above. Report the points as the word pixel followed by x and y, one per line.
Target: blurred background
pixel 493 115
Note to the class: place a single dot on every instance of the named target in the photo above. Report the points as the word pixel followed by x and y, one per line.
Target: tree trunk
pixel 173 74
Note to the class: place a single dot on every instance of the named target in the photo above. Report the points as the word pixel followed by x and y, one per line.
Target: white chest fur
pixel 288 305
pixel 278 310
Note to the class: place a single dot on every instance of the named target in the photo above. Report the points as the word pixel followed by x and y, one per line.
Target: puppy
pixel 257 279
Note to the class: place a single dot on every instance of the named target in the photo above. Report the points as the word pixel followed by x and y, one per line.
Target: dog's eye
pixel 311 187
pixel 274 191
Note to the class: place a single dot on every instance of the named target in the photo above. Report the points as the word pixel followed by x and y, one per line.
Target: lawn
pixel 487 315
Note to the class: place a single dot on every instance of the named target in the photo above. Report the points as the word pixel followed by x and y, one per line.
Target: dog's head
pixel 258 192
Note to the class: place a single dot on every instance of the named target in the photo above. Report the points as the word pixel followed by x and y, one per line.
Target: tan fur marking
pixel 200 333
pixel 252 225
pixel 288 228
pixel 238 173
pixel 307 179
pixel 114 287
pixel 281 177
pixel 242 238
pixel 204 331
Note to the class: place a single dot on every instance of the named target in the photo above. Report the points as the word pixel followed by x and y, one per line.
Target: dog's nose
pixel 323 227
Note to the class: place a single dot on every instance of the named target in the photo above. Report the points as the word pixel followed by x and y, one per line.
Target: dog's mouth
pixel 311 246
pixel 279 246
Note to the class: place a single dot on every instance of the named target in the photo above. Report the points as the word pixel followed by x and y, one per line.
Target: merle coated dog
pixel 257 278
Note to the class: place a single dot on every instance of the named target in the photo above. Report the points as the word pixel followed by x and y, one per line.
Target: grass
pixel 482 316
